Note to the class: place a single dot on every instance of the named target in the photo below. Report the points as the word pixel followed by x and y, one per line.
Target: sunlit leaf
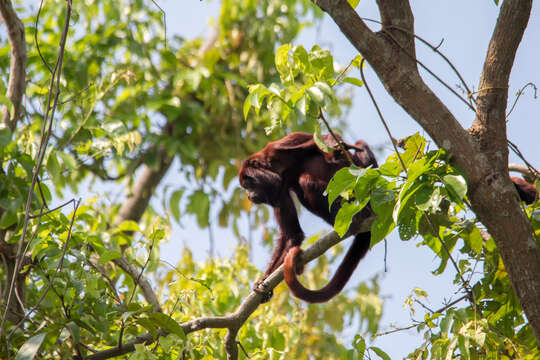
pixel 167 323
pixel 30 348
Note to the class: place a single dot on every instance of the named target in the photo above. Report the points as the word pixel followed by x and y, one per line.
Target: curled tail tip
pixel 290 268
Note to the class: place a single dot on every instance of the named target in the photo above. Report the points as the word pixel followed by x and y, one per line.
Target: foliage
pixel 429 200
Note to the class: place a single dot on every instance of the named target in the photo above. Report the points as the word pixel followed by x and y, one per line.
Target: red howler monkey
pixel 295 163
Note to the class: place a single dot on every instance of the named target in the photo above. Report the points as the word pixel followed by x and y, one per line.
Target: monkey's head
pixel 363 155
pixel 262 184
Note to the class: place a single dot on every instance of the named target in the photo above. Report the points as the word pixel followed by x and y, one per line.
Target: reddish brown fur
pixel 295 163
pixel 527 192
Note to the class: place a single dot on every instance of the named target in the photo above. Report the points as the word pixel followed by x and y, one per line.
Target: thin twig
pixel 465 284
pixel 164 21
pixel 519 93
pixel 52 210
pixel 429 71
pixel 36 23
pixel 392 140
pixel 78 93
pixel 516 150
pixel 336 138
pixel 445 307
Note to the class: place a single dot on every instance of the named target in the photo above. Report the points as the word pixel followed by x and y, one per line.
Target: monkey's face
pixel 263 185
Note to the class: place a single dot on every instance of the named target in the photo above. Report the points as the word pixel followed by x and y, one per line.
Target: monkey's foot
pixel 260 287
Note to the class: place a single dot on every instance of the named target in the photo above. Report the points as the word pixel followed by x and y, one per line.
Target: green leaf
pixel 5 136
pixel 75 331
pixel 30 347
pixel 8 218
pixel 148 325
pixel 282 64
pixel 322 62
pixel 199 205
pixel 357 61
pixel 407 191
pixel 359 345
pixel 456 186
pixel 167 323
pixel 420 292
pixel 174 204
pixel 301 58
pixel 414 149
pixel 319 141
pixel 341 181
pixel 109 255
pixel 247 105
pixel 382 202
pixel 325 88
pixel 380 353
pixel 345 214
pixel 128 225
pixel 365 178
pixel 316 95
pixel 474 240
pixel 407 224
pixel 428 199
pixel 392 166
pixel 354 81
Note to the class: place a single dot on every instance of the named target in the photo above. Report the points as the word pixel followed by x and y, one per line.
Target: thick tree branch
pixel 528 175
pixel 141 280
pixel 17 70
pixel 490 123
pixel 234 321
pixel 398 14
pixel 137 201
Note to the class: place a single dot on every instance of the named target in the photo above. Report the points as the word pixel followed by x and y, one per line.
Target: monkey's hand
pixel 260 287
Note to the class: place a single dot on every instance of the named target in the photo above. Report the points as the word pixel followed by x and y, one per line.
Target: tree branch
pixel 17 71
pixel 395 65
pixel 234 321
pixel 137 201
pixel 490 123
pixel 529 175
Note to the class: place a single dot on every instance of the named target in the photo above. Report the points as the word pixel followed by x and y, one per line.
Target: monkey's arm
pixel 291 233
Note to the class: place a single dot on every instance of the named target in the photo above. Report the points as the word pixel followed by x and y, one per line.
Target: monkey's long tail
pixel 356 252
